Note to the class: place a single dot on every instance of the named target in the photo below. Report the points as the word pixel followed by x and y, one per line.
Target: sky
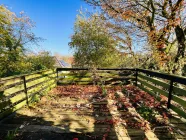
pixel 54 21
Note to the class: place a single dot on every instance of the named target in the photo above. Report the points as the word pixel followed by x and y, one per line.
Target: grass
pixel 11 134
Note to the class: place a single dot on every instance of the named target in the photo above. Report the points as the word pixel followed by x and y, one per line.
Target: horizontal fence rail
pixel 17 91
pixel 158 84
pixel 181 80
pixel 86 76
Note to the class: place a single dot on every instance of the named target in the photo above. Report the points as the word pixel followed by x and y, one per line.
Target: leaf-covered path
pixel 88 112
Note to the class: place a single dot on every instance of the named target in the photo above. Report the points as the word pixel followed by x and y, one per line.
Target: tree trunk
pixel 179 59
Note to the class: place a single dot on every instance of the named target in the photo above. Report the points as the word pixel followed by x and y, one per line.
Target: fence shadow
pixel 62 116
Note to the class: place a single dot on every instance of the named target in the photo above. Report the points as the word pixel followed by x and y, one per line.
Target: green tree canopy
pixel 93 43
pixel 15 34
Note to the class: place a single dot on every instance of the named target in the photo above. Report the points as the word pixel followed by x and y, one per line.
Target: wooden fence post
pixel 25 89
pixel 57 76
pixel 136 82
pixel 170 94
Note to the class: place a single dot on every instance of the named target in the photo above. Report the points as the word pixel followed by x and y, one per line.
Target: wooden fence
pixel 158 84
pixel 17 91
pixel 154 83
pixel 84 76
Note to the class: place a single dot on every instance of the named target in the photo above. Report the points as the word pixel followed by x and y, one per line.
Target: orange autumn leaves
pixel 157 19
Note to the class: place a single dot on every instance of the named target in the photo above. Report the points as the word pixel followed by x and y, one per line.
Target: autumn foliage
pixel 161 22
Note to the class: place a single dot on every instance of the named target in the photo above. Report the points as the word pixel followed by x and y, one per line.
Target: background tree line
pixel 147 34
pixel 15 37
pixel 124 33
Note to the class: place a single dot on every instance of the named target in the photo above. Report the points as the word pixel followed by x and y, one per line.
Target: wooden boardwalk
pixel 70 112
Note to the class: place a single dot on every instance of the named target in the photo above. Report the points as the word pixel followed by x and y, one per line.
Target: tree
pixel 42 60
pixel 6 17
pixel 16 33
pixel 93 44
pixel 162 21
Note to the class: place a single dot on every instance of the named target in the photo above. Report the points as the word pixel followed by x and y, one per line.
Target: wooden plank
pixel 178 111
pixel 107 81
pixel 179 100
pixel 60 119
pixel 88 74
pixel 45 73
pixel 9 93
pixel 44 89
pixel 48 84
pixel 37 81
pixel 69 69
pixel 150 92
pixel 41 76
pixel 9 111
pixel 160 91
pixel 154 81
pixel 120 129
pixel 20 88
pixel 19 105
pixel 18 76
pixel 181 80
pixel 120 69
pixel 119 77
pixel 15 85
pixel 79 83
pixel 148 133
pixel 179 91
pixel 10 83
pixel 41 83
pixel 78 78
pixel 76 74
pixel 174 108
pixel 12 90
pixel 22 95
pixel 12 126
pixel 107 74
pixel 74 79
pixel 12 100
pixel 174 97
pixel 18 80
pixel 94 130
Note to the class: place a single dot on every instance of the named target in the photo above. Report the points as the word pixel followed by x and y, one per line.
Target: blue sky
pixel 54 20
